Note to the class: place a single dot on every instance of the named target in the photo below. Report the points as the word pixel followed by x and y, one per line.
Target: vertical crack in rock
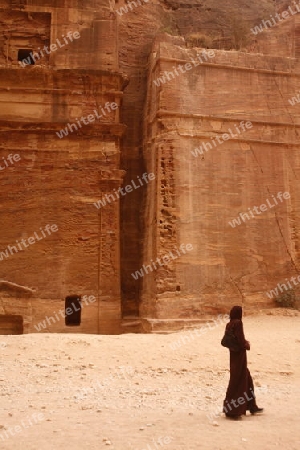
pixel 286 246
pixel 276 218
pixel 236 285
pixel 284 101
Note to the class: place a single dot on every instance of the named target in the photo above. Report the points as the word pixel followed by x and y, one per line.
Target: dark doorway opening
pixel 11 324
pixel 73 310
pixel 25 57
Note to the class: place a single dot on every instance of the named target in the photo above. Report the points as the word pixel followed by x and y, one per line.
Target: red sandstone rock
pixel 196 197
pixel 58 179
pixel 192 200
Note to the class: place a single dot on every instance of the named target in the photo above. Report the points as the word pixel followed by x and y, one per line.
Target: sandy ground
pixel 136 392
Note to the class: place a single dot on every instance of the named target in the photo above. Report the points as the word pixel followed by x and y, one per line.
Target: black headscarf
pixel 236 313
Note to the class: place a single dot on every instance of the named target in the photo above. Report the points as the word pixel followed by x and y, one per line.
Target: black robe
pixel 240 392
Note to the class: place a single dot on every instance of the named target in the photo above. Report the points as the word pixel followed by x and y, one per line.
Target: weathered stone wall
pixel 196 197
pixel 278 40
pixel 138 29
pixel 57 180
pixel 84 75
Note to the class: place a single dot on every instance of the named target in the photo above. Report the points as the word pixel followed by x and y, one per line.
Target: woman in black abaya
pixel 240 392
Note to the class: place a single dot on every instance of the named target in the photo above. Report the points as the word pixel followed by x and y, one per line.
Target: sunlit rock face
pixel 138 28
pixel 219 136
pixel 223 136
pixel 60 96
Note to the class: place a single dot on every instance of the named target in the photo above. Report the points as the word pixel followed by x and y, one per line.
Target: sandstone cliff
pixel 138 29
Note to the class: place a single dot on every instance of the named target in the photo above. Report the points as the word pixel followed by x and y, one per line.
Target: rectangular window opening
pixel 24 56
pixel 73 310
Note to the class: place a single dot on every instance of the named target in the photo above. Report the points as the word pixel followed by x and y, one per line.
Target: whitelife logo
pixel 259 209
pixel 221 139
pixel 26 423
pixel 158 443
pixel 11 158
pixel 241 401
pixel 166 260
pixel 183 68
pixel 294 100
pixel 31 240
pixel 33 56
pixel 63 313
pixel 190 335
pixel 86 120
pixel 131 5
pixel 129 188
pixel 279 17
pixel 274 292
pixel 104 384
